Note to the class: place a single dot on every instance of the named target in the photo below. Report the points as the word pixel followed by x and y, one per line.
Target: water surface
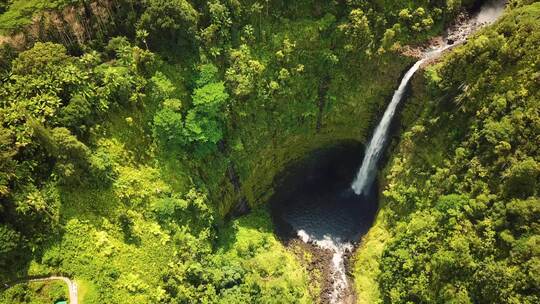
pixel 314 196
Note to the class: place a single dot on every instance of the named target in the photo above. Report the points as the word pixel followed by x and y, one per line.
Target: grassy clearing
pixel 35 293
pixel 86 291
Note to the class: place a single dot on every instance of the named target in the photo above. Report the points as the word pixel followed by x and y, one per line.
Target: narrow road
pixel 72 286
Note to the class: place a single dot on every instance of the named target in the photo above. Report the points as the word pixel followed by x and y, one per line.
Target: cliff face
pixel 72 24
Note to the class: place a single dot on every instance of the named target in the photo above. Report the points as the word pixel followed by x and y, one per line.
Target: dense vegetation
pixel 131 131
pixel 36 292
pixel 461 198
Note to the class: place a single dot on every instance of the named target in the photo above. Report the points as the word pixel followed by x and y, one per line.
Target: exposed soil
pixel 318 264
pixel 457 32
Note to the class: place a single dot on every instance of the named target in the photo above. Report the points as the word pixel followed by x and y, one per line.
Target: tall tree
pixel 169 20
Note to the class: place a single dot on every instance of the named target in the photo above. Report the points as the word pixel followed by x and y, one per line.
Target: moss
pixel 357 101
pixel 147 232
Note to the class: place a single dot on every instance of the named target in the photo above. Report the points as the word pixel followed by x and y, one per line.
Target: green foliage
pixel 204 122
pixel 522 179
pixel 61 144
pixel 37 84
pixel 208 73
pixel 38 205
pixel 76 114
pixel 49 105
pixel 169 19
pixel 4 4
pixel 36 292
pixel 249 265
pixel 217 36
pixel 16 14
pixel 461 194
pixel 243 72
pixel 7 162
pixel 169 128
pixel 203 125
pixel 386 25
pixel 10 241
pixel 118 165
pixel 358 31
pixel 42 58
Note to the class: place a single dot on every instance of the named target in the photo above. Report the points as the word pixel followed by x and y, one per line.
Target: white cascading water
pixel 339 275
pixel 367 173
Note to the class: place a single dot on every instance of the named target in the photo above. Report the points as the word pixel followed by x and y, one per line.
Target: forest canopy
pixel 133 134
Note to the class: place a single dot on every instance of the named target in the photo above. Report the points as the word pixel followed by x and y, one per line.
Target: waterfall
pixel 488 14
pixel 307 227
pixel 367 172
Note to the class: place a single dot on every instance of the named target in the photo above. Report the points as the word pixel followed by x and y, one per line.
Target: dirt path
pixel 72 286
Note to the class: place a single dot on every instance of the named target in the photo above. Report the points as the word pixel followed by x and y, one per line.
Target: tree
pixel 72 156
pixel 204 122
pixel 162 87
pixel 76 114
pixel 43 80
pixel 202 127
pixel 243 74
pixel 208 73
pixel 522 179
pixel 10 241
pixel 7 161
pixel 164 20
pixel 43 58
pixel 217 36
pixel 4 4
pixel 168 127
pixel 357 31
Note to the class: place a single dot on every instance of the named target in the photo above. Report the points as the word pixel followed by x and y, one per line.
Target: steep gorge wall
pixel 356 100
pixel 343 102
pixel 71 25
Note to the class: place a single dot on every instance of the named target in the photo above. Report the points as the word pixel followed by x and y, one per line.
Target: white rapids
pixel 339 249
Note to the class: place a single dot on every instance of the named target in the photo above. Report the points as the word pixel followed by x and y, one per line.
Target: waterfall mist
pixel 490 11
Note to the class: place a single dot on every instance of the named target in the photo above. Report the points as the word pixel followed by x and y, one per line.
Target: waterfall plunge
pixel 488 14
pixel 367 172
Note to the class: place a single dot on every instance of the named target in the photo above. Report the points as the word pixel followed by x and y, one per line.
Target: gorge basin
pixel 314 196
pixel 314 202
